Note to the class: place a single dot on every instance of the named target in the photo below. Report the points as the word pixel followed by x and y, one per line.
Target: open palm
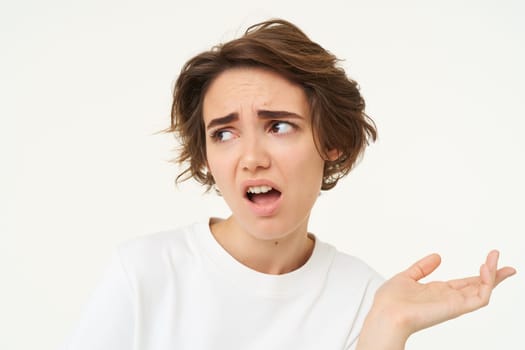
pixel 416 306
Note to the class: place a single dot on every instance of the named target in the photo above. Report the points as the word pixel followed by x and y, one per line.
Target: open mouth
pixel 262 195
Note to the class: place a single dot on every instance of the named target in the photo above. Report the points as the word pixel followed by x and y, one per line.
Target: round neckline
pixel 312 273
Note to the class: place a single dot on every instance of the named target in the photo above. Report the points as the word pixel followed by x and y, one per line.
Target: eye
pixel 222 135
pixel 281 127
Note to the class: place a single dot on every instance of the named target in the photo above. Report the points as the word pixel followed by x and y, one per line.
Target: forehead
pixel 247 89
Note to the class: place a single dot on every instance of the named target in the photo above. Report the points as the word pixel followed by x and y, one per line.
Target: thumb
pixel 423 267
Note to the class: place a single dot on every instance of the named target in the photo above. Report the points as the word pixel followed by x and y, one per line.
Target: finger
pixel 501 274
pixel 423 267
pixel 488 282
pixel 468 284
pixel 492 264
pixel 491 276
pixel 488 270
pixel 504 273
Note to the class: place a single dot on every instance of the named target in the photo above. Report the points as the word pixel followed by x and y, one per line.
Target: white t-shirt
pixel 181 290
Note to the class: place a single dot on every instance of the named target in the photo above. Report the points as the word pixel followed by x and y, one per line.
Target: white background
pixel 85 85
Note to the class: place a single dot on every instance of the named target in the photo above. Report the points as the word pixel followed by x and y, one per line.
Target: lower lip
pixel 266 209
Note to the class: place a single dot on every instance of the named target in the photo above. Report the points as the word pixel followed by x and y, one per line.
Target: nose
pixel 254 155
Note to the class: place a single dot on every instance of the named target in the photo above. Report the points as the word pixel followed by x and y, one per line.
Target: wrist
pixel 383 330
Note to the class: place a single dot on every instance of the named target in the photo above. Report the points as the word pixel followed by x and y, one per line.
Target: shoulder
pixel 352 273
pixel 346 263
pixel 159 251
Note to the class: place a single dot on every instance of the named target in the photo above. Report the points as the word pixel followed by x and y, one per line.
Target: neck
pixel 271 256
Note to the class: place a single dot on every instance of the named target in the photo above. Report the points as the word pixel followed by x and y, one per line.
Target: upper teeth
pixel 259 189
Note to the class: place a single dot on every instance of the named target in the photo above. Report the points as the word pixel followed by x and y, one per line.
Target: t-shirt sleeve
pixel 107 321
pixel 366 304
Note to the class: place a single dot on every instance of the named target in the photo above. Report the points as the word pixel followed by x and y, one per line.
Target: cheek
pixel 306 166
pixel 210 161
pixel 218 166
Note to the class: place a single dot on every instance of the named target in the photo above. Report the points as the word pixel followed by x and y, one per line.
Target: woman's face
pixel 261 152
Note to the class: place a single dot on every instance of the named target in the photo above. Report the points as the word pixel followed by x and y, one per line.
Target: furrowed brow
pixel 222 120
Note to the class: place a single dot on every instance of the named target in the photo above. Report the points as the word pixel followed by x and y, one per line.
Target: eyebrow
pixel 223 120
pixel 263 114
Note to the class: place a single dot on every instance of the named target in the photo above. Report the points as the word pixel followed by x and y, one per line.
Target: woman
pixel 268 120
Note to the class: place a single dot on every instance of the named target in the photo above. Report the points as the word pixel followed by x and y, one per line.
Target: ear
pixel 333 154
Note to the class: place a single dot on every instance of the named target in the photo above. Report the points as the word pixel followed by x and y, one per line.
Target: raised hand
pixel 403 305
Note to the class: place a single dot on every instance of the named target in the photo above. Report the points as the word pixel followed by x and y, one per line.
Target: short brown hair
pixel 338 118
